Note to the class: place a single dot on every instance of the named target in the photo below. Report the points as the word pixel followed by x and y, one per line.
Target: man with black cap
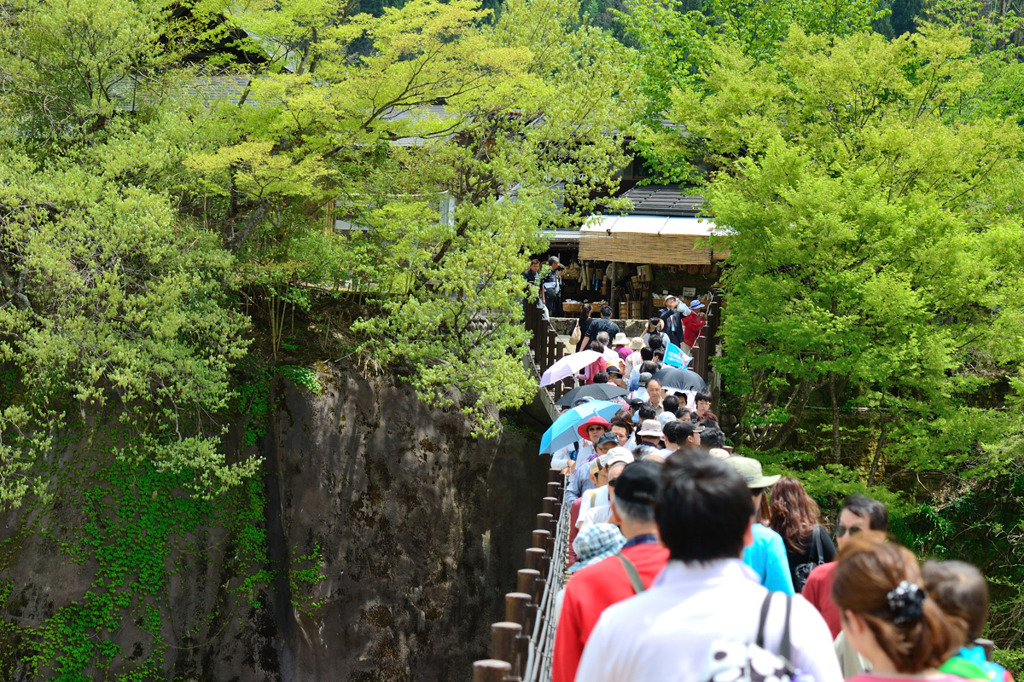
pixel 618 577
pixel 615 376
pixel 705 598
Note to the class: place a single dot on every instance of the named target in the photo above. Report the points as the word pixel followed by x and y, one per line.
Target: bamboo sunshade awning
pixel 656 240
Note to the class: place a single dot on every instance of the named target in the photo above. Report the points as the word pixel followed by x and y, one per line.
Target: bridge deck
pixel 522 646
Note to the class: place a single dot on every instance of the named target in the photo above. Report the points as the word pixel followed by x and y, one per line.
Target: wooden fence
pixel 522 644
pixel 546 348
pixel 704 346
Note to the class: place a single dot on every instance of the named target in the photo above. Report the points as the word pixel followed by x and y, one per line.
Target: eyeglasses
pixel 842 530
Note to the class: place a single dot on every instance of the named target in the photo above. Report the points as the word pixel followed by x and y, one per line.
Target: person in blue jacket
pixel 767 554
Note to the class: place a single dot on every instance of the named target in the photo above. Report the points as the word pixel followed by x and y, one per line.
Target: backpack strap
pixel 759 640
pixel 785 644
pixel 817 544
pixel 633 573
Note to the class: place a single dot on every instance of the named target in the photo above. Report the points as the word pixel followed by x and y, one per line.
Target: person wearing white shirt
pixel 595 507
pixel 608 353
pixel 705 595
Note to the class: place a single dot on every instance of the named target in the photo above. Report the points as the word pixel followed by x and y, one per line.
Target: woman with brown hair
pixel 796 517
pixel 887 616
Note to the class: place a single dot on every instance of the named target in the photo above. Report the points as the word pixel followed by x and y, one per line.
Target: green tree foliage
pixel 157 214
pixel 996 32
pixel 451 141
pixel 877 253
pixel 676 40
pixel 110 308
pixel 137 194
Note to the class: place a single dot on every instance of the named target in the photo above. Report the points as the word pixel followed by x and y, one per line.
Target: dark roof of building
pixel 208 89
pixel 664 200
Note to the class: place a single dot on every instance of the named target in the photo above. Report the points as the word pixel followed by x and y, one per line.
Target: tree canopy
pixel 150 201
pixel 877 241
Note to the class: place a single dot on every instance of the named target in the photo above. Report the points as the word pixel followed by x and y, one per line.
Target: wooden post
pixel 540 540
pixel 526 581
pixel 505 644
pixel 554 488
pixel 548 504
pixel 556 476
pixel 515 607
pixel 546 522
pixel 551 351
pixel 517 611
pixel 535 559
pixel 490 670
pixel 557 353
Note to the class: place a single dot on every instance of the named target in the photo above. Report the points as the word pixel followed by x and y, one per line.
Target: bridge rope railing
pixel 542 643
pixel 523 644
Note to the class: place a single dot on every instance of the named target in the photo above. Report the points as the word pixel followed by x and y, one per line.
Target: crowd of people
pixel 679 548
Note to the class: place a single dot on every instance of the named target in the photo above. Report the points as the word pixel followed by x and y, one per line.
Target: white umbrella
pixel 569 365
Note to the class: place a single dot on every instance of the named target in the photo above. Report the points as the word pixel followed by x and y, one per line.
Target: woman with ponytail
pixel 887 616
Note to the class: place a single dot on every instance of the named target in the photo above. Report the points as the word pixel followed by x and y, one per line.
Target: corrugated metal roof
pixel 209 89
pixel 663 200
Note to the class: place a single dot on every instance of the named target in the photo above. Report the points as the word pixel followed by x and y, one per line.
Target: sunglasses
pixel 842 530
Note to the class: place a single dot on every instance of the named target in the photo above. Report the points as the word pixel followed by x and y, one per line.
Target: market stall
pixel 630 262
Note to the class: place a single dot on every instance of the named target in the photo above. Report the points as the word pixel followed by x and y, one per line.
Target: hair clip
pixel 905 603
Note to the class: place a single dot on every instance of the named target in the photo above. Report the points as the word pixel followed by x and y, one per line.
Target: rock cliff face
pixel 391 539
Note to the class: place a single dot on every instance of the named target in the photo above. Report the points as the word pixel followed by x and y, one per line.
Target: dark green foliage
pixel 904 16
pixel 139 526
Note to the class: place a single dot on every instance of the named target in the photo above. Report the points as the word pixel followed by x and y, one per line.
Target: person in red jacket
pixel 861 516
pixel 692 324
pixel 598 586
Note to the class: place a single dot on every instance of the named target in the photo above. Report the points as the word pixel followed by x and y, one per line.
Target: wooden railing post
pixel 490 670
pixel 554 490
pixel 515 607
pixel 540 539
pixel 546 522
pixel 526 582
pixel 505 646
pixel 549 504
pixel 535 559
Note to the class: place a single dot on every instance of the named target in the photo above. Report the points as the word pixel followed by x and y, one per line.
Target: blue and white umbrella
pixel 563 431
